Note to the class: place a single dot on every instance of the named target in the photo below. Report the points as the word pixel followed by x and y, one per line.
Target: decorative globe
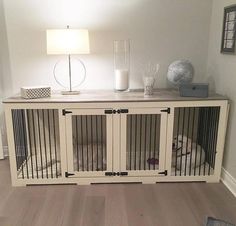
pixel 180 72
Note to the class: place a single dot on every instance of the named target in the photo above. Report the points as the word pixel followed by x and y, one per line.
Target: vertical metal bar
pixel 91 127
pixel 45 144
pixel 214 136
pixel 181 157
pixel 177 142
pixel 25 142
pixel 76 143
pixel 97 140
pixel 150 145
pixel 55 141
pixel 15 136
pixel 196 151
pixel 14 119
pixel 30 143
pixel 50 144
pixel 140 142
pixel 145 141
pixel 17 142
pixel 40 145
pixel 155 138
pixel 135 142
pixel 191 153
pixel 82 143
pixel 130 159
pixel 186 155
pixel 35 144
pixel 214 119
pixel 206 138
pixel 210 140
pixel 87 156
pixel 101 143
pixel 105 140
pixel 199 132
pixel 202 137
pixel 216 133
pixel 20 142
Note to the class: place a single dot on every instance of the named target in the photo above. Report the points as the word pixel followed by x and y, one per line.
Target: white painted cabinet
pixel 116 138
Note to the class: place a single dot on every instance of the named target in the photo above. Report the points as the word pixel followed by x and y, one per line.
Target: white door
pixel 143 142
pixel 89 142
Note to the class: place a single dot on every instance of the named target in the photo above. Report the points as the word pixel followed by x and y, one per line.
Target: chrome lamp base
pixel 70 92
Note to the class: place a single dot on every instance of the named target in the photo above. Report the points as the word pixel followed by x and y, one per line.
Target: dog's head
pixel 180 141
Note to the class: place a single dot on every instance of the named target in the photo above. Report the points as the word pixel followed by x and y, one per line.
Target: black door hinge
pixel 110 174
pixel 64 112
pixel 119 111
pixel 116 174
pixel 110 111
pixel 163 173
pixel 166 110
pixel 69 174
pixel 122 174
pixel 122 111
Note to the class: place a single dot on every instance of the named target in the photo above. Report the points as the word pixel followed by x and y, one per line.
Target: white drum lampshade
pixel 68 42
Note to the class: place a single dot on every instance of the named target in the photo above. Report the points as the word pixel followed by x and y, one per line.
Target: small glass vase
pixel 121 64
pixel 148 86
pixel 150 74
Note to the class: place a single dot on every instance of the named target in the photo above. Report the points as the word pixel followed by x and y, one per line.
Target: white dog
pixel 192 154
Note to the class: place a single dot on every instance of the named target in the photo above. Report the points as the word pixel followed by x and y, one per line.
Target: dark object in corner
pixel 229 30
pixel 216 222
pixel 194 90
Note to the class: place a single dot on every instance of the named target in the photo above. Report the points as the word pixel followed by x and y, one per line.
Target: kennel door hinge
pixel 119 111
pixel 64 112
pixel 123 111
pixel 122 174
pixel 166 110
pixel 110 174
pixel 110 111
pixel 69 174
pixel 164 173
pixel 116 174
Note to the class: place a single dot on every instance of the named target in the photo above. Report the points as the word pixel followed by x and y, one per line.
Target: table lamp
pixel 68 41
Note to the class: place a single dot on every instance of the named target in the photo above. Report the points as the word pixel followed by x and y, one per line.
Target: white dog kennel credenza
pixel 107 137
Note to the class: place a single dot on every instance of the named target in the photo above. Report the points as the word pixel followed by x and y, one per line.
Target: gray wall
pixel 221 72
pixel 160 31
pixel 5 75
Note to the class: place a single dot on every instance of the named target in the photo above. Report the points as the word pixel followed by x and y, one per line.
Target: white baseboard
pixel 5 151
pixel 229 181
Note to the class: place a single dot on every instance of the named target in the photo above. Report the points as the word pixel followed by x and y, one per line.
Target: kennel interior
pixel 194 141
pixel 36 140
pixel 143 141
pixel 89 143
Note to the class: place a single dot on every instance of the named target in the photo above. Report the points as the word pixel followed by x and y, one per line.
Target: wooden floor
pixel 166 204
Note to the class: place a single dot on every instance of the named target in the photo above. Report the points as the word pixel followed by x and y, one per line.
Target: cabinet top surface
pixel 89 96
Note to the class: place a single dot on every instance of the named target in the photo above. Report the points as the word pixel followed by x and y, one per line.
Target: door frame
pixel 69 142
pixel 163 138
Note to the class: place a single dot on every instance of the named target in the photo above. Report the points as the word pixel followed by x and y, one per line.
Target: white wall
pixel 160 31
pixel 5 75
pixel 222 72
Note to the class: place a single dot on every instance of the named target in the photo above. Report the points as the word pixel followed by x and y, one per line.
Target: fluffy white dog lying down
pixel 197 156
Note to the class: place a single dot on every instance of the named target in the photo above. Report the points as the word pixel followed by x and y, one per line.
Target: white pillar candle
pixel 121 79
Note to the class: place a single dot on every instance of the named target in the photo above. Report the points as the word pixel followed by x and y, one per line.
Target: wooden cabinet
pixel 110 138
